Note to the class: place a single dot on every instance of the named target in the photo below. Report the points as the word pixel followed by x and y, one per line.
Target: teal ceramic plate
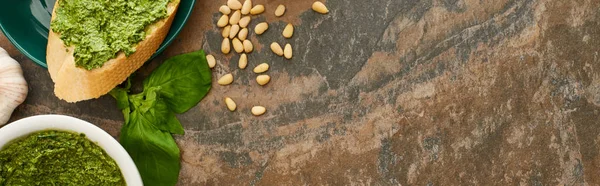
pixel 26 22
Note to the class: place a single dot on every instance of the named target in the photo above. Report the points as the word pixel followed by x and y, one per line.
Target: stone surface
pixel 388 92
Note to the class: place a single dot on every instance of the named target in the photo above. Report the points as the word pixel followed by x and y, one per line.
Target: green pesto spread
pixel 57 158
pixel 99 30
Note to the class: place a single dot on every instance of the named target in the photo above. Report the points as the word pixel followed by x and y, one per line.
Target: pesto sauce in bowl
pixel 99 30
pixel 57 158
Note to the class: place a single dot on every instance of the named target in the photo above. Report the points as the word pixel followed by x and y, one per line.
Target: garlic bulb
pixel 13 88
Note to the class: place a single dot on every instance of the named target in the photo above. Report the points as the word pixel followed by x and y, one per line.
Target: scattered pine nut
pixel 318 6
pixel 258 110
pixel 237 45
pixel 245 21
pixel 261 68
pixel 261 28
pixel 248 47
pixel 234 4
pixel 235 17
pixel 226 79
pixel 234 31
pixel 276 48
pixel 243 34
pixel 246 7
pixel 287 52
pixel 288 32
pixel 230 104
pixel 225 47
pixel 225 10
pixel 258 9
pixel 226 31
pixel 223 21
pixel 280 11
pixel 243 62
pixel 211 61
pixel 263 79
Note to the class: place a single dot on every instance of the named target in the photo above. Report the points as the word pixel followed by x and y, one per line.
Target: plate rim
pixel 163 46
pixel 21 49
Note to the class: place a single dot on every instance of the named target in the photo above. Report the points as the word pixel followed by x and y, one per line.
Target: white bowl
pixel 33 124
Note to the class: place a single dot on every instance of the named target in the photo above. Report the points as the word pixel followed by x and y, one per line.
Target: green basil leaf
pixel 162 118
pixel 155 109
pixel 126 114
pixel 183 80
pixel 121 96
pixel 173 125
pixel 149 99
pixel 122 101
pixel 174 87
pixel 154 152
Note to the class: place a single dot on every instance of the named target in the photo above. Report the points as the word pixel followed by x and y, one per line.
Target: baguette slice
pixel 74 84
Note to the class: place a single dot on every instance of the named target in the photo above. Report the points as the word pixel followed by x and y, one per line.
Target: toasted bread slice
pixel 74 84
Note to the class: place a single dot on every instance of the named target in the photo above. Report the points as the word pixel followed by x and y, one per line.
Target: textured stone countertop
pixel 388 92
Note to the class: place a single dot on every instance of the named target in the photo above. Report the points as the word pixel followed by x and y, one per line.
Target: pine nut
pixel 261 68
pixel 280 11
pixel 263 79
pixel 243 61
pixel 276 48
pixel 234 31
pixel 258 9
pixel 288 51
pixel 246 7
pixel 226 79
pixel 223 21
pixel 245 21
pixel 234 4
pixel 317 6
pixel 235 17
pixel 248 47
pixel 225 10
pixel 211 61
pixel 230 104
pixel 288 32
pixel 258 110
pixel 226 31
pixel 225 47
pixel 243 34
pixel 261 28
pixel 237 45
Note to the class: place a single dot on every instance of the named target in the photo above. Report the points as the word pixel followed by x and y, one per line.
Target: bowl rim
pixel 163 46
pixel 29 125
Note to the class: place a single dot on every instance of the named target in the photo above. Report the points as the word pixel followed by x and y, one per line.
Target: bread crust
pixel 74 84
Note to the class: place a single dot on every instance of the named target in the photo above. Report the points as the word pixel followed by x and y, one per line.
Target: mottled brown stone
pixel 389 92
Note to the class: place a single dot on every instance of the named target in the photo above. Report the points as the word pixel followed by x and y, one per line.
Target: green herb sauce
pixel 101 29
pixel 57 158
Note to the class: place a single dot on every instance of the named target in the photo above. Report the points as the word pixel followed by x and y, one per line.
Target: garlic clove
pixel 13 87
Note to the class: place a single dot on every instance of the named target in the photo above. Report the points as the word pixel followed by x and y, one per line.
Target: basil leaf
pixel 121 96
pixel 165 120
pixel 154 152
pixel 155 109
pixel 183 80
pixel 174 87
pixel 149 97
pixel 173 125
pixel 122 101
